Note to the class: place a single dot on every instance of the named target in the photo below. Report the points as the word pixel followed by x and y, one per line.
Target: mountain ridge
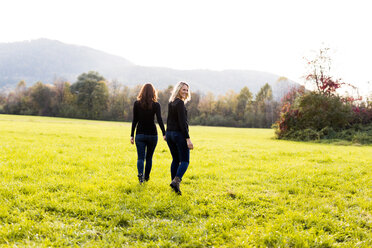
pixel 49 60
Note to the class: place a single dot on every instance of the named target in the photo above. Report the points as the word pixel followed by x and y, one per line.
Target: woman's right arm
pixel 189 144
pixel 134 122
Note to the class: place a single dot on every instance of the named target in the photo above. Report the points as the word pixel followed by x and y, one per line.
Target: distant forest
pixel 92 97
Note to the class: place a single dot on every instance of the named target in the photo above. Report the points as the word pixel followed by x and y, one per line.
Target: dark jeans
pixel 145 148
pixel 180 153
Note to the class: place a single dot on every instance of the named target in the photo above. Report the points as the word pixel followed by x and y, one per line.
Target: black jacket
pixel 145 119
pixel 177 117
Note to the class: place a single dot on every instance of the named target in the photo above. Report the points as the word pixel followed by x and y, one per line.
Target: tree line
pixel 92 97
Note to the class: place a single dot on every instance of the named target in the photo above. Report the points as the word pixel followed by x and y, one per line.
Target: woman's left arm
pixel 182 119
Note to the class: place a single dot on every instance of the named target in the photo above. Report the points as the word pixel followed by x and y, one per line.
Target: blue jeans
pixel 180 153
pixel 145 148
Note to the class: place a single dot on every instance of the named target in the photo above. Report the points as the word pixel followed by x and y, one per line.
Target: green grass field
pixel 68 182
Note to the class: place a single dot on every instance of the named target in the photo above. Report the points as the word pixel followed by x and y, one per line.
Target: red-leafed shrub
pixel 322 113
pixel 313 111
pixel 362 114
pixel 315 116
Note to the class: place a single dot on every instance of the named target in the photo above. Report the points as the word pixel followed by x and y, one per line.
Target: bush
pixel 314 116
pixel 362 114
pixel 327 133
pixel 355 134
pixel 314 111
pixel 318 111
pixel 362 138
pixel 306 134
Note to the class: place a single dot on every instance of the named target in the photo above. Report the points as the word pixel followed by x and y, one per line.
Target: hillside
pixel 47 60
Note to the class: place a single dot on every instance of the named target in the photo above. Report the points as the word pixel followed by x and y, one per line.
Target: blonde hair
pixel 176 92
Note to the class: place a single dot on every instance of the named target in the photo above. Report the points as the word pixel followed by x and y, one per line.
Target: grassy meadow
pixel 67 182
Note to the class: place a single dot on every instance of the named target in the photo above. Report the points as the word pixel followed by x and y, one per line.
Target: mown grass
pixel 68 182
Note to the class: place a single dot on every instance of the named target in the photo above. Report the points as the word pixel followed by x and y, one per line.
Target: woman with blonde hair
pixel 144 111
pixel 177 134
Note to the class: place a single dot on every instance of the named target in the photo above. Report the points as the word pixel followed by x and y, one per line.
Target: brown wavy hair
pixel 147 96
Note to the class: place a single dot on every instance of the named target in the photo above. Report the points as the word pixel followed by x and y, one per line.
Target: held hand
pixel 189 144
pixel 132 140
pixel 165 138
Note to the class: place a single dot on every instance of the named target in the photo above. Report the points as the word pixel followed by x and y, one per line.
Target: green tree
pixel 207 105
pixel 192 106
pixel 63 102
pixel 91 91
pixel 163 99
pixel 224 110
pixel 265 94
pixel 2 102
pixel 129 95
pixel 66 100
pixel 116 102
pixel 17 101
pixel 263 107
pixel 41 98
pixel 99 100
pixel 132 97
pixel 244 102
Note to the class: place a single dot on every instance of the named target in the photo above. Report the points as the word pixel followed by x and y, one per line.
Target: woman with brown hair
pixel 144 111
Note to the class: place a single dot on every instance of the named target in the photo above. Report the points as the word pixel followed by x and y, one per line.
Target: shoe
pixel 147 179
pixel 175 184
pixel 140 178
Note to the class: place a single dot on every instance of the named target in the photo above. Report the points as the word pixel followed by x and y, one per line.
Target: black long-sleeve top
pixel 177 117
pixel 145 119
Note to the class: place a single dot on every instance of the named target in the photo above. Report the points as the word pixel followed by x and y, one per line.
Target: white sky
pixel 264 35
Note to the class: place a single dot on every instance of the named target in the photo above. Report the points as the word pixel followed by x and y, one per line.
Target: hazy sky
pixel 265 35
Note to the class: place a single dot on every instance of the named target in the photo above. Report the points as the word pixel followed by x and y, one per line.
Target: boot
pixel 175 184
pixel 140 178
